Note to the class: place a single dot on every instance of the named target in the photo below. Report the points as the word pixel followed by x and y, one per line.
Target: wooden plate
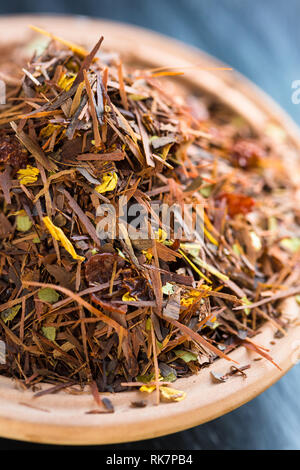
pixel 64 418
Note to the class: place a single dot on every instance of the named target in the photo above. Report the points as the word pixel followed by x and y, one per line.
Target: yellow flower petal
pixel 190 297
pixel 128 298
pixel 109 182
pixel 48 130
pixel 161 234
pixel 28 175
pixel 147 388
pixel 59 235
pixel 171 394
pixel 148 254
pixel 66 81
pixel 194 267
pixel 167 393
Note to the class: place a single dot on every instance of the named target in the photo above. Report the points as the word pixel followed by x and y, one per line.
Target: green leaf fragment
pixel 236 249
pixel 10 313
pixel 211 269
pixel 171 377
pixel 49 332
pixel 148 324
pixel 168 373
pixel 186 356
pixel 37 46
pixel 23 223
pixel 206 190
pixel 272 224
pixel 168 289
pixel 48 295
pixel 247 302
pixel 291 244
pixel 145 378
pixel 192 248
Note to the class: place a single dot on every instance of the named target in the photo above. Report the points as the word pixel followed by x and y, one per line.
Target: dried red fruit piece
pixel 99 268
pixel 237 203
pixel 11 152
pixel 247 154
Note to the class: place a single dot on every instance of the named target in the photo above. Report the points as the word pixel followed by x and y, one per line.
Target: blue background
pixel 259 38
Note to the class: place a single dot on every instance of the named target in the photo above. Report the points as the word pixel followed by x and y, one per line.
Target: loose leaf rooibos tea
pixel 144 232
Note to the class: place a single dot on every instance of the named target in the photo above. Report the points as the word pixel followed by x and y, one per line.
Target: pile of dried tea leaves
pixel 80 130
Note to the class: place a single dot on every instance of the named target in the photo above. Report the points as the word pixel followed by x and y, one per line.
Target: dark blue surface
pixel 260 38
